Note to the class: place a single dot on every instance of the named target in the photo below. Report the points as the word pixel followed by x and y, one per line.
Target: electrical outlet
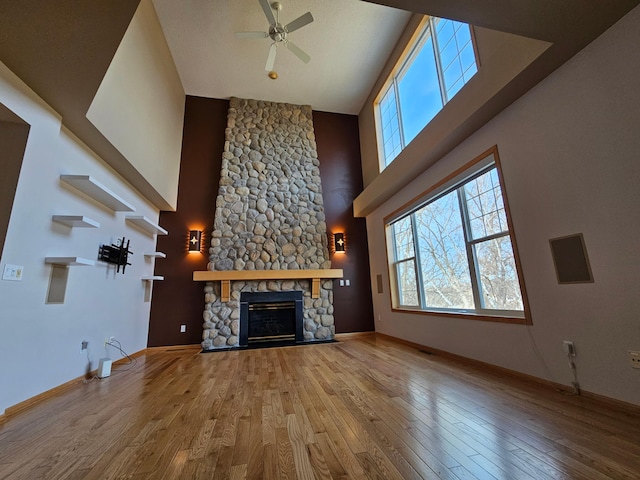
pixel 85 345
pixel 108 340
pixel 183 328
pixel 634 356
pixel 569 348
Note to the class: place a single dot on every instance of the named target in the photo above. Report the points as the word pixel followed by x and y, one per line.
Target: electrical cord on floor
pixel 132 361
pixel 572 365
pixel 536 351
pixel 574 369
pixel 88 378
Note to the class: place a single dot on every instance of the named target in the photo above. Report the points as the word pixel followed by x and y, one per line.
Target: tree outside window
pixel 453 252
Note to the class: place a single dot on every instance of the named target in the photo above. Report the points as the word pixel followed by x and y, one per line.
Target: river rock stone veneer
pixel 269 215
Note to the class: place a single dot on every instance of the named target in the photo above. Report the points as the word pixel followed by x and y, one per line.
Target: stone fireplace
pixel 269 220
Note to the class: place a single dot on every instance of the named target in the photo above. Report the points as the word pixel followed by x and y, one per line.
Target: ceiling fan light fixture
pixel 272 75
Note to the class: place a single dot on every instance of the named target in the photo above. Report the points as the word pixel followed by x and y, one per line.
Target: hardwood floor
pixel 365 407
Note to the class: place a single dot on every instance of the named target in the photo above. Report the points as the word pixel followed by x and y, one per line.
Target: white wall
pixel 40 344
pixel 570 155
pixel 139 106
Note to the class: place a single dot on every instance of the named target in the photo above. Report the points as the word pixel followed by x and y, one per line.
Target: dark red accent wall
pixel 338 143
pixel 178 300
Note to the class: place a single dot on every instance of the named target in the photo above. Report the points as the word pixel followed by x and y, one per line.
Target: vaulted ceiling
pixel 62 49
pixel 349 42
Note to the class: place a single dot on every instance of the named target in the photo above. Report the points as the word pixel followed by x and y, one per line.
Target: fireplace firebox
pixel 271 317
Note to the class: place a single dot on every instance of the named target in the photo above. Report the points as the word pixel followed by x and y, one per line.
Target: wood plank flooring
pixel 366 407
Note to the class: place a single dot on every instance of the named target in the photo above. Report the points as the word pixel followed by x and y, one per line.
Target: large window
pixel 452 252
pixel 439 63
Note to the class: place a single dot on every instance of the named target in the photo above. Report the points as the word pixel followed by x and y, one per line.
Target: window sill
pixel 468 316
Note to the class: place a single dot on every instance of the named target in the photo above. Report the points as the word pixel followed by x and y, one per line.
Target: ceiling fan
pixel 278 32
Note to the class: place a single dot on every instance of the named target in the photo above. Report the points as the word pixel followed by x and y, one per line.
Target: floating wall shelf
pixel 155 254
pixel 145 224
pixel 151 278
pixel 60 273
pixel 78 221
pixel 89 185
pixel 69 261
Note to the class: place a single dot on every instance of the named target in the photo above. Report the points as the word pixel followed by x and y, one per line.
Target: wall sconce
pixel 338 243
pixel 195 239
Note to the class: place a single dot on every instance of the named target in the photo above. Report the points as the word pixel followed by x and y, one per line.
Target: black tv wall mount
pixel 116 254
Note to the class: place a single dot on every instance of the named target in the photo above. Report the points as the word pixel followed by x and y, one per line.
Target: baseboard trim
pixel 348 335
pixel 612 402
pixel 192 346
pixel 41 397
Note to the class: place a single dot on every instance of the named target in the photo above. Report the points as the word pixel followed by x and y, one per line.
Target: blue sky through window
pixel 420 98
pixel 432 76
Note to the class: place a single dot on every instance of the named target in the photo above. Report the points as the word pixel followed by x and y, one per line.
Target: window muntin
pixel 403 239
pixel 407 283
pixel 456 54
pixel 392 145
pixel 497 274
pixel 443 254
pixel 405 263
pixel 460 240
pixel 436 68
pixel 485 207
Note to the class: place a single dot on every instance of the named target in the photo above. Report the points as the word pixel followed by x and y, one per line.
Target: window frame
pixel 471 170
pixel 424 30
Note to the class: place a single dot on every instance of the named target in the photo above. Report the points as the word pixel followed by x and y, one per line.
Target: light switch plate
pixel 12 272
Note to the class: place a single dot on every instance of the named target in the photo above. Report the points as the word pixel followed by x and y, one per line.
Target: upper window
pixel 439 63
pixel 453 251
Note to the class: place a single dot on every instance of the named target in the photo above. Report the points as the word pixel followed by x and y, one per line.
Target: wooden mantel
pixel 226 276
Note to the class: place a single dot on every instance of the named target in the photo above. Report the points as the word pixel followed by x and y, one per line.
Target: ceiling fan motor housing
pixel 277 32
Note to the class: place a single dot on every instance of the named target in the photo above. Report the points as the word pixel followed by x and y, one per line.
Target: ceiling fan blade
pixel 252 34
pixel 299 22
pixel 271 58
pixel 266 6
pixel 298 53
